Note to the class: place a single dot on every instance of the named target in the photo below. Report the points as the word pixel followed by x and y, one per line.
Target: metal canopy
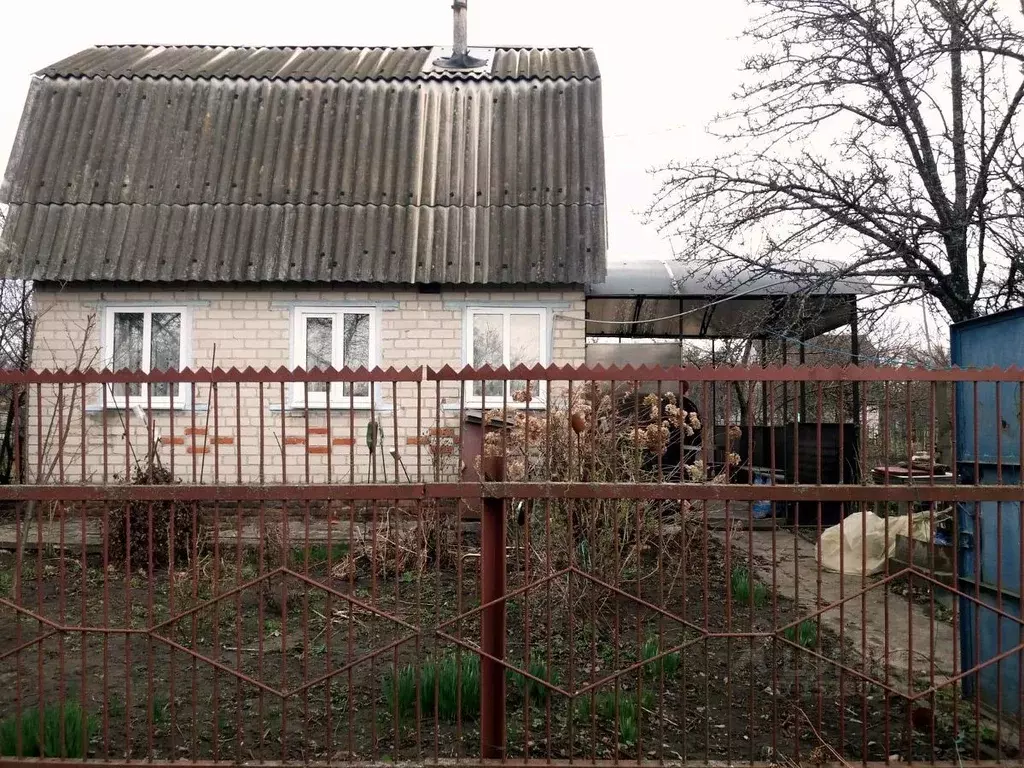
pixel 663 299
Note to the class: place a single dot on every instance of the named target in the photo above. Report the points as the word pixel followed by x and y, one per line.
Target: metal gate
pixel 246 578
pixel 989 453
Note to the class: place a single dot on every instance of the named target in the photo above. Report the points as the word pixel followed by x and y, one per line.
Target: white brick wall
pixel 253 328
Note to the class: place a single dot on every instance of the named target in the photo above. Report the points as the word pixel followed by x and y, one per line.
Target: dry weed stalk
pixel 196 584
pixel 273 554
pixel 397 542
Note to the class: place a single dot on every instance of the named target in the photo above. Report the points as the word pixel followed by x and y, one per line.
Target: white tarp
pixel 864 541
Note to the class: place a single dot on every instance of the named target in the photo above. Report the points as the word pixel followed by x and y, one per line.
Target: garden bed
pixel 207 684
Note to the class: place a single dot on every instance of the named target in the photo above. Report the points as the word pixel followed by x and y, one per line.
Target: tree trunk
pixel 956 242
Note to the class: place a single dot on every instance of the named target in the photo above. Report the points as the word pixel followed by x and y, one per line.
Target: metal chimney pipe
pixel 460 57
pixel 460 46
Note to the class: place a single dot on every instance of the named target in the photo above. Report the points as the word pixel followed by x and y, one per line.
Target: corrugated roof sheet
pixel 654 298
pixel 549 244
pixel 102 140
pixel 316 63
pixel 670 278
pixel 339 151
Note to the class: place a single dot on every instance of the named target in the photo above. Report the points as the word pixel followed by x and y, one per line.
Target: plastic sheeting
pixel 864 541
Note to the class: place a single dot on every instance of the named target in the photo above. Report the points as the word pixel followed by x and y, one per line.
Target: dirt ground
pixel 218 661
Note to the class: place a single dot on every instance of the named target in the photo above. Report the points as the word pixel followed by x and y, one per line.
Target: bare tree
pixel 16 326
pixel 874 138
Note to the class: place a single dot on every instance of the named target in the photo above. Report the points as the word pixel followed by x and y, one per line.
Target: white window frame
pixel 339 401
pixel 184 350
pixel 544 354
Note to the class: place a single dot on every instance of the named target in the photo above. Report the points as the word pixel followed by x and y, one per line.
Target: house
pixel 215 207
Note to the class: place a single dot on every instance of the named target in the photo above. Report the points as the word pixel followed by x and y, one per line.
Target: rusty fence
pixel 757 566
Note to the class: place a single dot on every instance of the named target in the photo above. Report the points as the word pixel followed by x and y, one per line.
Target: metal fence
pixel 537 565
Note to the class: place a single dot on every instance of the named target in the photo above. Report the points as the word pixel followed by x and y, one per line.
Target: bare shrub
pixel 154 533
pixel 400 541
pixel 598 435
pixel 410 540
pixel 436 531
pixel 274 552
pixel 192 587
pixel 275 548
pixel 443 453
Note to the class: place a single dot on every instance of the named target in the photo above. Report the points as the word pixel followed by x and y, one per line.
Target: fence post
pixel 492 623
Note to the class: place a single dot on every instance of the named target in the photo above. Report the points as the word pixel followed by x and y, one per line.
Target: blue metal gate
pixel 988 452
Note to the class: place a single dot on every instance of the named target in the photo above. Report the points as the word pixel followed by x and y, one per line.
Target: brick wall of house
pixel 252 327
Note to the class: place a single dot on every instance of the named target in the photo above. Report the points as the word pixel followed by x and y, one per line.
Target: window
pixel 146 339
pixel 510 337
pixel 334 338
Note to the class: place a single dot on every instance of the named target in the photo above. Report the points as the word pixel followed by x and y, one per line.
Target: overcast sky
pixel 667 67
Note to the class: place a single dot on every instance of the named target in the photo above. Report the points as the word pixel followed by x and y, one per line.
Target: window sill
pixel 293 409
pixel 476 405
pixel 98 408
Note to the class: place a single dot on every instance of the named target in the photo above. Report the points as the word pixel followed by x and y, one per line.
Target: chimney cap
pixel 475 59
pixel 461 61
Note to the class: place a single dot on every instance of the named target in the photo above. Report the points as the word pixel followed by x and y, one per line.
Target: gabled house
pixel 211 206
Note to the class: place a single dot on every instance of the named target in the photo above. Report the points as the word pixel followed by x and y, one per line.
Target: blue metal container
pixel 990 532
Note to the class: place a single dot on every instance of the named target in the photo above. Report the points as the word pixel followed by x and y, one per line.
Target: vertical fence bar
pixel 547 562
pixel 999 422
pixel 727 469
pixel 819 415
pixel 329 612
pixel 394 434
pixel 493 576
pixel 238 432
pixel 844 510
pixel 84 564
pixel 61 596
pixel 863 418
pixel 957 542
pixel 774 508
pixel 976 576
pixel 435 694
pixel 239 738
pixel 282 400
pixel 262 438
pixel 932 530
pixel 152 455
pixel 886 461
pixel 802 352
pixel 192 431
pixel 908 415
pixel 22 517
pixel 40 439
pixel 1020 586
pixel 793 458
pixel 708 423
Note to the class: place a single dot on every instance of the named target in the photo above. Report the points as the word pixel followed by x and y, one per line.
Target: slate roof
pixel 149 163
pixel 317 63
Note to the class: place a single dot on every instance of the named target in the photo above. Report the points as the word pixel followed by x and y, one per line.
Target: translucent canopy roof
pixel 665 299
